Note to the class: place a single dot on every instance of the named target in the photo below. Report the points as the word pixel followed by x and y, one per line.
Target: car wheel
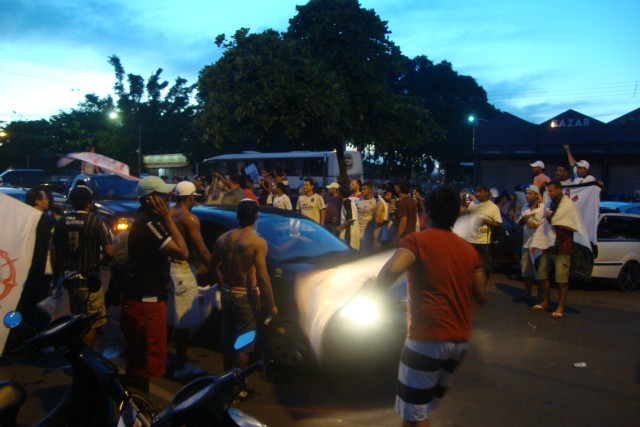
pixel 629 277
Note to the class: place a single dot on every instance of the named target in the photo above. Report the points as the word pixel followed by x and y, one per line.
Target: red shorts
pixel 144 325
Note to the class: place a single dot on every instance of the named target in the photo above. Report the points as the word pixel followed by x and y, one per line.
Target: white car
pixel 618 255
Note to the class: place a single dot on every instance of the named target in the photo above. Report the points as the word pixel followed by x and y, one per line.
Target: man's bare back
pixel 237 249
pixel 239 258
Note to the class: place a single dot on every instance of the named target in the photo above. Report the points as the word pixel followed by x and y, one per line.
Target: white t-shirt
pixel 485 210
pixel 579 180
pixel 310 206
pixel 537 215
pixel 366 210
pixel 282 202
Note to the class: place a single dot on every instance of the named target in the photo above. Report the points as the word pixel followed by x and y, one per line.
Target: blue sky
pixel 535 59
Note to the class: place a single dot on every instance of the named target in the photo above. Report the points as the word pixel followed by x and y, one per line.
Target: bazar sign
pixel 570 123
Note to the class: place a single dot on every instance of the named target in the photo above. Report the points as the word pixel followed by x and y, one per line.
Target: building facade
pixel 506 145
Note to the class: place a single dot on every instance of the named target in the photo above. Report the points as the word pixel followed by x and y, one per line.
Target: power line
pixel 52 79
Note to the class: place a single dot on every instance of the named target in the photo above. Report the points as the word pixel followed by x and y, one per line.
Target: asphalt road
pixel 519 371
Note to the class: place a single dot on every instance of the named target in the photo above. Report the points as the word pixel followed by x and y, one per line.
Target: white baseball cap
pixel 582 164
pixel 185 188
pixel 333 185
pixel 537 164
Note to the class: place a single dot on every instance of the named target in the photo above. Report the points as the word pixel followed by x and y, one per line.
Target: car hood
pixel 117 207
pixel 321 293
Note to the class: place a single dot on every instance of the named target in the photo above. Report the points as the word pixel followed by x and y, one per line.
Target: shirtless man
pixel 182 313
pixel 239 266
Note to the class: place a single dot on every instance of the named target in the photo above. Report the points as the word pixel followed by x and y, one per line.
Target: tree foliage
pixel 26 144
pixel 158 113
pixel 451 98
pixel 331 79
pixel 265 93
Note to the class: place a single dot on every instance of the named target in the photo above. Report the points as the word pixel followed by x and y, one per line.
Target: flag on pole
pixel 17 242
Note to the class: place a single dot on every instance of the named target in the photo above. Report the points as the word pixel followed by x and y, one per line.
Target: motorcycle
pixel 96 396
pixel 206 401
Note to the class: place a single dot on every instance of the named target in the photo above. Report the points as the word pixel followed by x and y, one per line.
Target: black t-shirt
pixel 77 237
pixel 150 268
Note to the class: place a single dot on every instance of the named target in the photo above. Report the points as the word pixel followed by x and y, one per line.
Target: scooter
pixel 206 401
pixel 96 396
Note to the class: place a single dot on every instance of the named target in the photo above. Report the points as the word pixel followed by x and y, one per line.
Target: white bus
pixel 322 166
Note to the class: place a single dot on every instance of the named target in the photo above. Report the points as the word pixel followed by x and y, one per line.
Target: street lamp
pixel 473 120
pixel 114 116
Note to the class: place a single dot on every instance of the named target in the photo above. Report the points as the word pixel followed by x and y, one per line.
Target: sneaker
pixel 187 371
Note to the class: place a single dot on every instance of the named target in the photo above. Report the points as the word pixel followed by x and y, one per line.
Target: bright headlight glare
pixel 121 224
pixel 361 310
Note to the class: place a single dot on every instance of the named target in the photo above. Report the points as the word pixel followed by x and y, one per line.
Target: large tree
pixel 265 93
pixel 331 79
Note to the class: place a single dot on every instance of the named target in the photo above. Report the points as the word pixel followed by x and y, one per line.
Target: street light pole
pixel 473 120
pixel 139 148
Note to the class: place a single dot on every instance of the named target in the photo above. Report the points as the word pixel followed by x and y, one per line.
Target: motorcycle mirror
pixel 244 340
pixel 12 319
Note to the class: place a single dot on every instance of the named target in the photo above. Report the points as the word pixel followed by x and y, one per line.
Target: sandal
pixel 556 315
pixel 538 307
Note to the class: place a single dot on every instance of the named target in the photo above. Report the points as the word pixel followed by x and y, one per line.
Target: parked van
pixel 322 166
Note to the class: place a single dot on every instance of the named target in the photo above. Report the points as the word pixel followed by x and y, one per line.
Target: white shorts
pixel 424 375
pixel 183 304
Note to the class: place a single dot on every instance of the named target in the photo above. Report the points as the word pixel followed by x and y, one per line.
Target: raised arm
pixel 570 158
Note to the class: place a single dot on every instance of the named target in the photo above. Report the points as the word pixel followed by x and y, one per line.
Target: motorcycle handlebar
pixel 244 373
pixel 60 330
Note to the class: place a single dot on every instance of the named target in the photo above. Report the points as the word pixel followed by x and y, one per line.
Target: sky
pixel 535 59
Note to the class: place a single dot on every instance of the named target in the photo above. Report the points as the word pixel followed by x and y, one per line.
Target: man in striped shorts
pixel 445 276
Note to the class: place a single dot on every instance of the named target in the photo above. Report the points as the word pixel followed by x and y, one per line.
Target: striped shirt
pixel 78 237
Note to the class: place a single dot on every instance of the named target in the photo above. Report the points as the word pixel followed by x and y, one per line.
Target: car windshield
pixel 113 187
pixel 297 238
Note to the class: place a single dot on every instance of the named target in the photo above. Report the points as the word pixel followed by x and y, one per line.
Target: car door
pixel 618 242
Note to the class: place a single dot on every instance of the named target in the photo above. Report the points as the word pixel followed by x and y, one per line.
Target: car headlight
pixel 120 225
pixel 362 310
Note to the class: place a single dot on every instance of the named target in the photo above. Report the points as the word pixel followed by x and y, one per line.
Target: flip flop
pixel 538 307
pixel 556 315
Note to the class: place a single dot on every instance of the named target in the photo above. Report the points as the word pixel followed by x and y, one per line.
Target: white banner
pixel 103 162
pixel 17 241
pixel 587 200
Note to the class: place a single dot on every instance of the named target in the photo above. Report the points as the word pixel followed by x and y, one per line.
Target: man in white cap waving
pixel 580 169
pixel 539 178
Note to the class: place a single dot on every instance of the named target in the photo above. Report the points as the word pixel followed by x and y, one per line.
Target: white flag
pixel 17 241
pixel 103 162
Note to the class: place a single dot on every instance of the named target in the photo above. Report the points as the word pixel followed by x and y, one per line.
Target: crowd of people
pixel 169 260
